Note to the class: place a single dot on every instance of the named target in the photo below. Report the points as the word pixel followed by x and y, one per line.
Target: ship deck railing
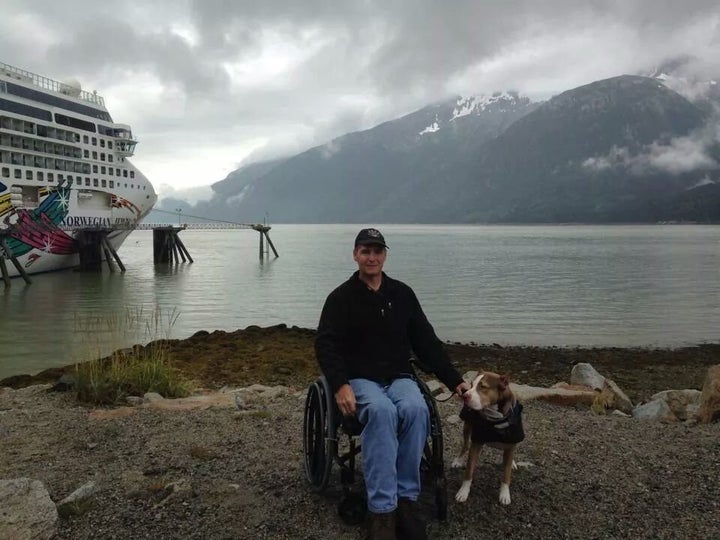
pixel 52 85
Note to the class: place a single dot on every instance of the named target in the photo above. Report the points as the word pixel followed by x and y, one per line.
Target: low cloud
pixel 680 155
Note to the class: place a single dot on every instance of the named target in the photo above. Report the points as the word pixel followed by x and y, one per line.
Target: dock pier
pixel 94 247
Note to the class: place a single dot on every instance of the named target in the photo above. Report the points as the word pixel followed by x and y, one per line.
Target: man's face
pixel 370 259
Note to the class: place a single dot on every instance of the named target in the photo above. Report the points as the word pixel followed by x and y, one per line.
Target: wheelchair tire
pixel 319 437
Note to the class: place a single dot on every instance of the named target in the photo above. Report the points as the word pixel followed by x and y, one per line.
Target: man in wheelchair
pixel 369 327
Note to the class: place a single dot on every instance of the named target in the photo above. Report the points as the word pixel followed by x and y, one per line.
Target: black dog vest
pixel 508 429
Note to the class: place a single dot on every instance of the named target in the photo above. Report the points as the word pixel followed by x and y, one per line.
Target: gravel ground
pixel 240 476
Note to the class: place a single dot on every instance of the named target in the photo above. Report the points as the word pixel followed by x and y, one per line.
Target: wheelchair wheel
pixel 433 458
pixel 319 436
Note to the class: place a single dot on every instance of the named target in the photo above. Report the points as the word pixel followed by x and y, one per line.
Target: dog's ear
pixel 504 382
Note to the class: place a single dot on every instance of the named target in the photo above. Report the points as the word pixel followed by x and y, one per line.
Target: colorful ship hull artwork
pixel 63 167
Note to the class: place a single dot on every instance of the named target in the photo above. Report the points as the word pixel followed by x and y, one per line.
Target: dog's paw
pixel 514 465
pixel 458 462
pixel 504 494
pixel 463 492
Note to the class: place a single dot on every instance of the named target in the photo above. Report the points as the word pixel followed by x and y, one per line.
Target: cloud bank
pixel 206 84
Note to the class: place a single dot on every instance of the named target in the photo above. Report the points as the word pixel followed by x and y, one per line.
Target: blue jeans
pixel 396 426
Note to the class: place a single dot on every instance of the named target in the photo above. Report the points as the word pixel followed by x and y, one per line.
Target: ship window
pixel 18 173
pixel 95 182
pixel 112 183
pixel 42 131
pixel 28 175
pixel 94 141
pixel 132 174
pixel 86 153
pixel 103 182
pixel 86 139
pixel 102 143
pixel 6 172
pixel 74 122
pixel 40 176
pixel 25 110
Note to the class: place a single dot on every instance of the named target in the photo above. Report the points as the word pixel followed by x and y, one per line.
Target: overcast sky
pixel 206 84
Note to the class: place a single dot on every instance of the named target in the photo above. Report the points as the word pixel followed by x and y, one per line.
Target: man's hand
pixel 345 398
pixel 461 388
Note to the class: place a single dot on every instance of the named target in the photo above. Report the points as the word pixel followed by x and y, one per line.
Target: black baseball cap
pixel 370 236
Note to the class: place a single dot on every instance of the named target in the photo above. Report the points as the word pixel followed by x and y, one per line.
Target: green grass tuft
pixel 129 372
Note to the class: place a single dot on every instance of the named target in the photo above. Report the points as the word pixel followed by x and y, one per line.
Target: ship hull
pixel 38 261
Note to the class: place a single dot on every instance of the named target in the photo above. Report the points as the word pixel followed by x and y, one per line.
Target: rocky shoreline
pixel 285 355
pixel 171 471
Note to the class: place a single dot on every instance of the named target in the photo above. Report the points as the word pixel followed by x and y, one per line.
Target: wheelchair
pixel 330 439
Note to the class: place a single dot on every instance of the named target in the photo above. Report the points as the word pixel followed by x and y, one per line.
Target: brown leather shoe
pixel 382 526
pixel 410 524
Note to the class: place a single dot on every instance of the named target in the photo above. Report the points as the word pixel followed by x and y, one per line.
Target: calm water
pixel 544 285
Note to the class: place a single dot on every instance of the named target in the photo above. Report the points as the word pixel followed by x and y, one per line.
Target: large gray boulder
pixel 657 409
pixel 683 403
pixel 583 374
pixel 26 510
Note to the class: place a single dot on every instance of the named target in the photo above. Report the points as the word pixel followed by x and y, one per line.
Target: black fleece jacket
pixel 371 335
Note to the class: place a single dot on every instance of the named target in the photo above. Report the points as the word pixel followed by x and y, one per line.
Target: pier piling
pixel 263 230
pixel 92 245
pixel 167 246
pixel 8 254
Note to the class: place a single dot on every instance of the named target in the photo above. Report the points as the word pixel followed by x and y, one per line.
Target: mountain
pixel 625 149
pixel 599 153
pixel 365 174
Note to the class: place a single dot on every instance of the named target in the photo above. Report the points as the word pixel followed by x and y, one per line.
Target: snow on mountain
pixel 473 105
pixel 477 104
pixel 432 128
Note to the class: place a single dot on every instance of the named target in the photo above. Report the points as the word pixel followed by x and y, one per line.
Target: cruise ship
pixel 63 166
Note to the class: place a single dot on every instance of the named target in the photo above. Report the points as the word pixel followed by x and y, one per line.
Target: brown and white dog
pixel 492 417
